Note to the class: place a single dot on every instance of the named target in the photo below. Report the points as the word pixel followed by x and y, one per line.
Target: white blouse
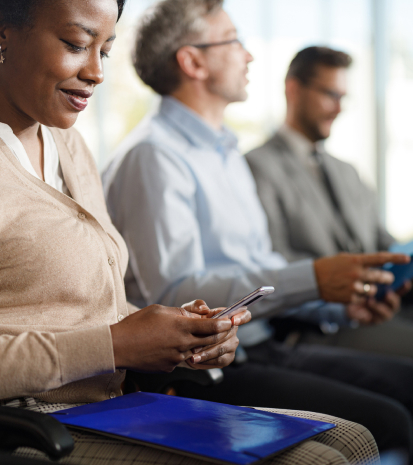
pixel 52 171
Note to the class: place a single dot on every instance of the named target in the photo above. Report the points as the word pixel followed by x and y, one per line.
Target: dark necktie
pixel 352 244
pixel 327 182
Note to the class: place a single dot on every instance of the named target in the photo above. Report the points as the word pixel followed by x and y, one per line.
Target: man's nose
pixel 249 57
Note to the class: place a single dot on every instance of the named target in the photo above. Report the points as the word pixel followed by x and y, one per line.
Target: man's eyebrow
pixel 89 31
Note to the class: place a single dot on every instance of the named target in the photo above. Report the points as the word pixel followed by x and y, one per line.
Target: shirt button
pixel 112 395
pixel 120 317
pixel 111 261
pixel 81 215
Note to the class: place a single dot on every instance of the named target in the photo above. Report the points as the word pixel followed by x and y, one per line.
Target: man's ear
pixel 192 63
pixel 292 89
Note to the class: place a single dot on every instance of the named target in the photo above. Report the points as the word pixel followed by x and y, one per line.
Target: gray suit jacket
pixel 301 218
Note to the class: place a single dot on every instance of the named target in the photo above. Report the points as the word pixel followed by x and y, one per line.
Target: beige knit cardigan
pixel 61 281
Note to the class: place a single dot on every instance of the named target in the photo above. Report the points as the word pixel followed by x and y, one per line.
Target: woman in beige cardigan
pixel 66 331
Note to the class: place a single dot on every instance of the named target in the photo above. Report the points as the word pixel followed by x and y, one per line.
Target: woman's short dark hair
pixel 304 65
pixel 19 13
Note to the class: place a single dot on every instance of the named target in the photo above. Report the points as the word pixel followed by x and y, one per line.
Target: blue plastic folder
pixel 201 429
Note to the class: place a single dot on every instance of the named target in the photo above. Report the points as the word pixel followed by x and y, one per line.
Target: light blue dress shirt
pixel 186 204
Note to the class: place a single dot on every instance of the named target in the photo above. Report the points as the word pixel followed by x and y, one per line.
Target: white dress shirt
pixel 303 149
pixel 52 172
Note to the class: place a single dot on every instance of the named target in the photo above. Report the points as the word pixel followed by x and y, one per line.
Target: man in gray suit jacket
pixel 316 204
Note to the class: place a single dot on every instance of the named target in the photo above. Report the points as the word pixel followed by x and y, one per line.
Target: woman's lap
pixel 348 443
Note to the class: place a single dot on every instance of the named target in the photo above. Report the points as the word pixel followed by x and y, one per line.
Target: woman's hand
pixel 216 355
pixel 158 338
pixel 199 309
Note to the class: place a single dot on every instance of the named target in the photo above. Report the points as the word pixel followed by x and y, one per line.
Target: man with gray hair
pixel 186 204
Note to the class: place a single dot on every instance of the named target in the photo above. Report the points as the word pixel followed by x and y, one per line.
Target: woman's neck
pixel 32 141
pixel 30 135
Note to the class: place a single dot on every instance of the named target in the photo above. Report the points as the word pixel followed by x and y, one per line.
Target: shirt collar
pixel 16 147
pixel 51 156
pixel 195 129
pixel 298 143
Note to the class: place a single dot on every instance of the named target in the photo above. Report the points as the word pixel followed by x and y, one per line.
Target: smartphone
pixel 250 299
pixel 401 273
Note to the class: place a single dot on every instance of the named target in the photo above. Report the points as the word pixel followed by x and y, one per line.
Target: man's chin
pixel 243 97
pixel 240 97
pixel 324 132
pixel 316 134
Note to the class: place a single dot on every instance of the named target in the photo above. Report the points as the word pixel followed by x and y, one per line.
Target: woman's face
pixel 52 68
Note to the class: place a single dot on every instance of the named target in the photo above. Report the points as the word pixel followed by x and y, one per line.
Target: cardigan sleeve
pixel 34 362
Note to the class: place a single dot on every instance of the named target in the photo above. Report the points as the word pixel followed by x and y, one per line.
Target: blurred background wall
pixel 375 130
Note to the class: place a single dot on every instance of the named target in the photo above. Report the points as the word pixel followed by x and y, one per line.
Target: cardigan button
pixel 120 317
pixel 81 216
pixel 111 261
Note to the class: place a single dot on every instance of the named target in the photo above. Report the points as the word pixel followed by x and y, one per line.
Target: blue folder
pixel 201 429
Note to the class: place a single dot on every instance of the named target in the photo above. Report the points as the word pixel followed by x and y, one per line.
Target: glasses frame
pixel 218 44
pixel 336 96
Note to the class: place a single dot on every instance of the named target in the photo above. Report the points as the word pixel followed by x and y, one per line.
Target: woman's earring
pixel 1 56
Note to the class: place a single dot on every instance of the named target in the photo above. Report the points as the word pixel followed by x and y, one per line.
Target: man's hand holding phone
pixel 351 278
pixel 376 311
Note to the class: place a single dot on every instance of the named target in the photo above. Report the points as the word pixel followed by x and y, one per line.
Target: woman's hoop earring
pixel 1 56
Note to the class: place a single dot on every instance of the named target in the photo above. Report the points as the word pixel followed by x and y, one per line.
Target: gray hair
pixel 162 31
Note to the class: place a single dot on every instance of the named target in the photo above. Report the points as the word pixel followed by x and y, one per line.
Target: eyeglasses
pixel 336 96
pixel 217 44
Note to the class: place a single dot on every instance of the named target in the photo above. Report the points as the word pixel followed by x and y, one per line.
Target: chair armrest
pixel 24 428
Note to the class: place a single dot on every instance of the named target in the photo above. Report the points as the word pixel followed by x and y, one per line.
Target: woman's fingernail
pixel 196 358
pixel 224 324
pixel 237 321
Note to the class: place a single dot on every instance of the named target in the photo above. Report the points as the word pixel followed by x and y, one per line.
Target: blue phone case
pixel 402 273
